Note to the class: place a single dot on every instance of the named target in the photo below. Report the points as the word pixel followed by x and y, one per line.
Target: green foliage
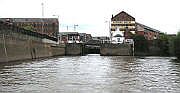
pixel 29 27
pixel 163 44
pixel 140 43
pixel 171 46
pixel 177 45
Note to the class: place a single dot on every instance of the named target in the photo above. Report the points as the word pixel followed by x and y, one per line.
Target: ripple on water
pixel 92 74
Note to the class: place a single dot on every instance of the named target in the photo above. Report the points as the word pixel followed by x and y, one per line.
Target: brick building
pixel 74 37
pixel 148 32
pixel 48 26
pixel 126 24
pixel 123 22
pixel 69 37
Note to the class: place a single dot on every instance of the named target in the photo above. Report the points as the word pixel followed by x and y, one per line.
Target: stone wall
pixel 115 50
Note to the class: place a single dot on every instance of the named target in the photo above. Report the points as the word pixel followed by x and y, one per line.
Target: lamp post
pixel 42 4
pixel 67 27
pixel 59 36
pixel 42 27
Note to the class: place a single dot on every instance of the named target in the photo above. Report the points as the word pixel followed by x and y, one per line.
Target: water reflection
pixel 92 74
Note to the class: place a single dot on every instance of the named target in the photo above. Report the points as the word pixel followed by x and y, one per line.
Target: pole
pixel 67 28
pixel 42 9
pixel 42 27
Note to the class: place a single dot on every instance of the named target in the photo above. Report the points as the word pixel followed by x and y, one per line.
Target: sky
pixel 93 16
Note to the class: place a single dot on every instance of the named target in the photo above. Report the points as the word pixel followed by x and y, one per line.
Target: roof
pixel 101 38
pixel 148 28
pixel 118 35
pixel 67 33
pixel 122 16
pixel 82 34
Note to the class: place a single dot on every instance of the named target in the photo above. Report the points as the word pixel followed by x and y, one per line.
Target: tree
pixel 177 45
pixel 29 27
pixel 163 44
pixel 140 43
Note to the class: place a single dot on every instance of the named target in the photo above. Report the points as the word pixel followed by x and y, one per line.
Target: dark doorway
pixel 92 49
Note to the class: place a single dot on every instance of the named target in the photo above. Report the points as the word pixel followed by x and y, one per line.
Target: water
pixel 92 74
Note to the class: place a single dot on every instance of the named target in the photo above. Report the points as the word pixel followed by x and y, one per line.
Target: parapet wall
pixel 115 50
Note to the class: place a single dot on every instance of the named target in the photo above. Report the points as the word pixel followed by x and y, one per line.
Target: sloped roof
pixel 123 16
pixel 148 28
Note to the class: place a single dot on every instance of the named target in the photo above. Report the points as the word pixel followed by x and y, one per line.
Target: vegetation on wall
pixel 177 45
pixel 29 27
pixel 140 43
pixel 163 44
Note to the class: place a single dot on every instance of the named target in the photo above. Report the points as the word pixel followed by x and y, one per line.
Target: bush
pixel 163 44
pixel 140 43
pixel 177 46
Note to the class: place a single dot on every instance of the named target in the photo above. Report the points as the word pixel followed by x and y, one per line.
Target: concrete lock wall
pixel 16 50
pixel 2 52
pixel 22 49
pixel 58 50
pixel 19 44
pixel 74 49
pixel 13 49
pixel 115 50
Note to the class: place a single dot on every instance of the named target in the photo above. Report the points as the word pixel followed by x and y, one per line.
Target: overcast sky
pixel 91 15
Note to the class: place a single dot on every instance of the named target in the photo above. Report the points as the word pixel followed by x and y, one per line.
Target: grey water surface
pixel 92 74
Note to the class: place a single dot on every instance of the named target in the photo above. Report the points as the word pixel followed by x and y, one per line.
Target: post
pixel 67 28
pixel 42 9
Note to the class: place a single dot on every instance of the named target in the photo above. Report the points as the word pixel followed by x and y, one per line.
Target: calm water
pixel 92 74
